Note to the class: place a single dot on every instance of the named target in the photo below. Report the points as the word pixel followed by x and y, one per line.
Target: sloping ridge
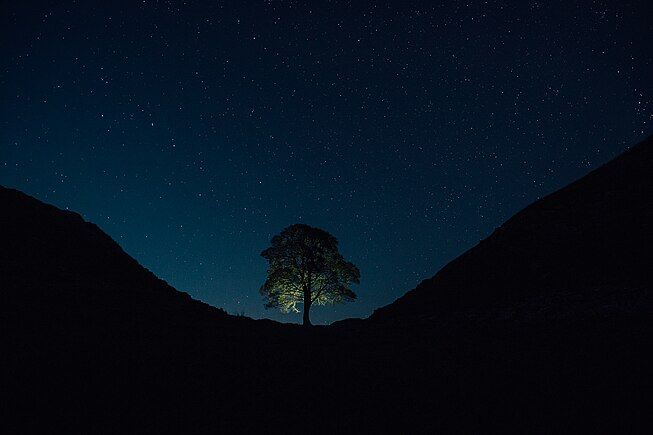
pixel 593 235
pixel 93 339
pixel 53 259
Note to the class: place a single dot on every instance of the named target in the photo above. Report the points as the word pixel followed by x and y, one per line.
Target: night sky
pixel 192 132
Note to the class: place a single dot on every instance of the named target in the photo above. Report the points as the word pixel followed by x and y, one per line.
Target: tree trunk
pixel 307 307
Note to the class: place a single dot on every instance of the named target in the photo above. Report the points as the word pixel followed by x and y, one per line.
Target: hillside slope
pixel 51 253
pixel 595 235
pixel 90 337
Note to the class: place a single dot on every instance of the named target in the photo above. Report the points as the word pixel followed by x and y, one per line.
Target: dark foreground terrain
pixel 544 326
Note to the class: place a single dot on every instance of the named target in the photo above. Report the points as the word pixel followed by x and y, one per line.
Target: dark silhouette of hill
pixel 580 244
pixel 88 333
pixel 56 254
pixel 544 326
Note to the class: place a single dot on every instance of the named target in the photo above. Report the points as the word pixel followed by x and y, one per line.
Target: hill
pixel 89 334
pixel 576 247
pixel 50 256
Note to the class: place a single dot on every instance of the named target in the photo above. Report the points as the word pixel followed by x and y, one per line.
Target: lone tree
pixel 306 268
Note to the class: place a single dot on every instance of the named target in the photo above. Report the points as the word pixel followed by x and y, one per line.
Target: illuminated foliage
pixel 306 268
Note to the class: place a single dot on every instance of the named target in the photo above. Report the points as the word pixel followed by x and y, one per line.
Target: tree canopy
pixel 305 267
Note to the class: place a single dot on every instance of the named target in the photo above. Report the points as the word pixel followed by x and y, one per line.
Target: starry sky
pixel 193 131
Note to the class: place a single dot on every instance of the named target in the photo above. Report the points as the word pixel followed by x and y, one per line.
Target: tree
pixel 306 268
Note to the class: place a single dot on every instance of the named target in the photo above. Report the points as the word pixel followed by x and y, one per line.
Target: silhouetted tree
pixel 306 268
